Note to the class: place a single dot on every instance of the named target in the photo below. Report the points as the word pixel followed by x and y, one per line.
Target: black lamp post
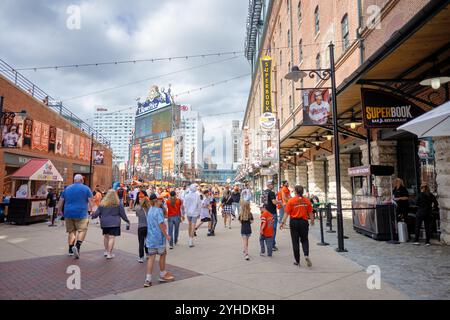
pixel 328 74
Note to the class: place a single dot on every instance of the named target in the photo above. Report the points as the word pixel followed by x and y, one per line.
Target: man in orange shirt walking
pixel 300 210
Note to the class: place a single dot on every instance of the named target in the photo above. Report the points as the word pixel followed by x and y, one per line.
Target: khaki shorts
pixel 73 225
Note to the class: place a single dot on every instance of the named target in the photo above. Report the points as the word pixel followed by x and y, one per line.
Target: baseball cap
pixel 270 182
pixel 153 196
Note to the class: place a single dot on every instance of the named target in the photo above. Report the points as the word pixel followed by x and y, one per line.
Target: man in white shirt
pixel 192 205
pixel 247 193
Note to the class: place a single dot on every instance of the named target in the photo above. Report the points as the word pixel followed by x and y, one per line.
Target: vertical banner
pixel 59 141
pixel 65 144
pixel 82 148
pixel 168 154
pixel 45 132
pixel 88 150
pixel 266 67
pixel 76 143
pixel 71 146
pixel 37 130
pixel 27 132
pixel 137 157
pixel 11 131
pixel 52 140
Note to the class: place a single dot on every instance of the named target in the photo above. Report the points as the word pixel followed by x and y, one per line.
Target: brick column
pixel 289 175
pixel 346 184
pixel 316 179
pixel 442 158
pixel 302 176
pixel 383 153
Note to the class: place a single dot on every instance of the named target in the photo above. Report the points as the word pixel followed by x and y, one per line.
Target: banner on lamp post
pixel 266 68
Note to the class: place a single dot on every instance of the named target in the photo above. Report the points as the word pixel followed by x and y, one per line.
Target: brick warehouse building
pixel 384 45
pixel 26 96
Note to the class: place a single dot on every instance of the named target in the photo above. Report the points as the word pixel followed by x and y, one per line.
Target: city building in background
pixel 116 127
pixel 236 140
pixel 193 132
pixel 47 131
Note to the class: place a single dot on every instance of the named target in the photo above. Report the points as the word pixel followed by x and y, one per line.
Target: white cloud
pixel 121 30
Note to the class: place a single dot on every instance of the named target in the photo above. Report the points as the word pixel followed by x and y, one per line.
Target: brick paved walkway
pixel 418 271
pixel 45 278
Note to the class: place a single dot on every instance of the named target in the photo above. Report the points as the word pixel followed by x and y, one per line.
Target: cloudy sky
pixel 35 33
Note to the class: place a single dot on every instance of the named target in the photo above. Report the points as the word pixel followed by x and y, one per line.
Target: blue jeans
pixel 173 232
pixel 263 241
pixel 281 214
pixel 236 207
pixel 275 224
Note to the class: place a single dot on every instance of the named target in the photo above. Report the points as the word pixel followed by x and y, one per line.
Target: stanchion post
pixel 322 240
pixel 330 218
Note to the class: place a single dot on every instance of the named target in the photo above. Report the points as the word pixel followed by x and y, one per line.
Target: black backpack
pixel 120 193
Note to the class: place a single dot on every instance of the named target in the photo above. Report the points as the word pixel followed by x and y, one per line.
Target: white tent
pixel 434 123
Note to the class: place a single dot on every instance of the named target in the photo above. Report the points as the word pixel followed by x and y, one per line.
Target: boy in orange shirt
pixel 266 232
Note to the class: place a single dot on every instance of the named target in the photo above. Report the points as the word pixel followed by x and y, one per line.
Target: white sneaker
pixel 247 257
pixel 110 256
pixel 105 254
pixel 141 260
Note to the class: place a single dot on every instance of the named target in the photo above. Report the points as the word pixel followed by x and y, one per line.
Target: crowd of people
pixel 161 210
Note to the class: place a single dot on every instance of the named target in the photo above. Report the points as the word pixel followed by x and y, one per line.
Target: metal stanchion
pixel 322 242
pixel 392 241
pixel 330 219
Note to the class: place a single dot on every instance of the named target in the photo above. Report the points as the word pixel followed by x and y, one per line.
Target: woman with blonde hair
pixel 246 218
pixel 110 212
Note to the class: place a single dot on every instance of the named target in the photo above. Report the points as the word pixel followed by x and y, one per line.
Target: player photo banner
pixel 45 133
pixel 37 131
pixel 59 141
pixel 316 107
pixel 266 67
pixel 76 144
pixel 11 131
pixel 82 148
pixel 27 132
pixel 52 139
pixel 99 157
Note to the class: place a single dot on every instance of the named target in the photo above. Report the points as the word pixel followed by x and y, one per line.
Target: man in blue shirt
pixel 76 199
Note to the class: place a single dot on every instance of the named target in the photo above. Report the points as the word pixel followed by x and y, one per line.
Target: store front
pixel 382 94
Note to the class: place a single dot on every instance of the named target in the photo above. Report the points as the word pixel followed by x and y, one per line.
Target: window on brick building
pixel 299 12
pixel 345 33
pixel 316 20
pixel 300 51
pixel 289 38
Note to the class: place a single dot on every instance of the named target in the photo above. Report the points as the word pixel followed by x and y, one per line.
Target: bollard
pixel 322 242
pixel 391 229
pixel 330 219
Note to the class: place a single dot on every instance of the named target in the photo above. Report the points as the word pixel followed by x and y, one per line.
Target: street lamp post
pixel 328 74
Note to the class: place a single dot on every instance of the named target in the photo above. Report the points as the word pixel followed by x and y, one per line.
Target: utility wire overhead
pixel 147 79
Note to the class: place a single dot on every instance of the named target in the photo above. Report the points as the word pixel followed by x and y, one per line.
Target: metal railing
pixel 20 81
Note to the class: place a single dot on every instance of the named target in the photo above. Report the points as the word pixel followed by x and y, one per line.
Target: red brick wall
pixel 17 100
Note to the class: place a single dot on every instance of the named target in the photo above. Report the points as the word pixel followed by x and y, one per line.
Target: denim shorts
pixel 158 251
pixel 192 219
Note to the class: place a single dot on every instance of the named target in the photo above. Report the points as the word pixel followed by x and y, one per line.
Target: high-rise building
pixel 117 128
pixel 236 142
pixel 193 132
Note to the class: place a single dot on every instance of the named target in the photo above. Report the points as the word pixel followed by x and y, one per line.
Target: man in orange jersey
pixel 300 210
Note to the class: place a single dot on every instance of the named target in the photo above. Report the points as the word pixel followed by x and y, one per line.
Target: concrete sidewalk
pixel 216 267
